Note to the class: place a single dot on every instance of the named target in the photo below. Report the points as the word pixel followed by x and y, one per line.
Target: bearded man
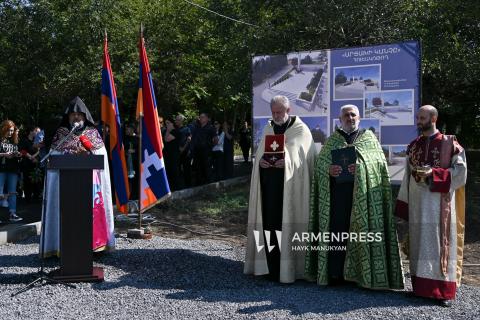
pixel 432 199
pixel 279 196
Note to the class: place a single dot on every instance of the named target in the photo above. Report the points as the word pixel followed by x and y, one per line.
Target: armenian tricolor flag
pixel 153 178
pixel 111 118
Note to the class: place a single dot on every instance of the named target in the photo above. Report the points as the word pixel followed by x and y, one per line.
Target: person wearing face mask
pixel 9 166
pixel 82 138
pixel 432 200
pixel 353 215
pixel 279 196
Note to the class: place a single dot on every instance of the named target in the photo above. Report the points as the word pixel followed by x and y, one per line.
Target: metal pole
pixel 101 109
pixel 140 128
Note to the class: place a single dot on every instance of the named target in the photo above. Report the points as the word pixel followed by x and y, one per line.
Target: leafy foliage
pixel 51 50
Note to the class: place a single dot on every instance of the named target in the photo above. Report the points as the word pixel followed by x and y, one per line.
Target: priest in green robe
pixel 352 234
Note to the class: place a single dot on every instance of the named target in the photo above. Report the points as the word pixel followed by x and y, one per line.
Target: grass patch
pixel 225 203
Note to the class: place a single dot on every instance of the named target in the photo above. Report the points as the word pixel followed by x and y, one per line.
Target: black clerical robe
pixel 279 205
pixel 341 195
pixel 271 182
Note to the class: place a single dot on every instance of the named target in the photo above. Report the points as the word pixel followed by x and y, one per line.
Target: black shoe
pixel 273 277
pixel 14 218
pixel 337 282
pixel 446 303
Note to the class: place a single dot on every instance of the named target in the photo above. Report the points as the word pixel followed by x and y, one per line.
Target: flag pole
pixel 145 190
pixel 140 118
pixel 140 129
pixel 139 233
pixel 101 109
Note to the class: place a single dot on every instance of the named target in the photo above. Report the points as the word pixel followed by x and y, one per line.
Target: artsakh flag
pixel 153 177
pixel 111 117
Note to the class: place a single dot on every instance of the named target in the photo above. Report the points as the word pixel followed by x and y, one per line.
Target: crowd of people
pixel 20 168
pixel 195 154
pixel 202 151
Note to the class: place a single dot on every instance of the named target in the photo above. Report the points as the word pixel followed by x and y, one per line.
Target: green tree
pixel 51 50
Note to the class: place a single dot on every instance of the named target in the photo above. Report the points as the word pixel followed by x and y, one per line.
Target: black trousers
pixel 185 169
pixel 245 151
pixel 271 183
pixel 228 165
pixel 31 189
pixel 201 164
pixel 217 164
pixel 341 196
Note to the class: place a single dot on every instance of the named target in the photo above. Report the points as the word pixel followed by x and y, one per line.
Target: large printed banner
pixel 382 81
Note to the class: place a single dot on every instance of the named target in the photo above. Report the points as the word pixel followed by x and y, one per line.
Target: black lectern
pixel 76 217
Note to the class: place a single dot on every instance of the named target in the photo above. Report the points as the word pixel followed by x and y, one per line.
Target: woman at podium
pixel 78 135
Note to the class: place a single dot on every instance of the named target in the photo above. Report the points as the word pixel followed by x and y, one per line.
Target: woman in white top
pixel 217 153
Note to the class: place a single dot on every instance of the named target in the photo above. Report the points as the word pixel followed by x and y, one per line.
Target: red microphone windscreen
pixel 86 143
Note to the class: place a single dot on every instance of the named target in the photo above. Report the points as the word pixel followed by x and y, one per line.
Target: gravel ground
pixel 198 279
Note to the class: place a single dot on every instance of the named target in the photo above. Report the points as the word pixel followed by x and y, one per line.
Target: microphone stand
pixel 43 278
pixel 75 127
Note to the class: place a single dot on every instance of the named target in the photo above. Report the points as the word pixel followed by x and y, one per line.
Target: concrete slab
pixel 16 232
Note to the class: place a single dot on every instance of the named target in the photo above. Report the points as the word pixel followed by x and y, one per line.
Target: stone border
pixel 190 192
pixel 14 233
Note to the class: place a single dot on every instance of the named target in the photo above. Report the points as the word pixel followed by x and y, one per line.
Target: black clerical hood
pixel 77 105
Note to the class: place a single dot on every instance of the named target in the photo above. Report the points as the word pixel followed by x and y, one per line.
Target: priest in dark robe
pixel 279 197
pixel 359 207
pixel 83 139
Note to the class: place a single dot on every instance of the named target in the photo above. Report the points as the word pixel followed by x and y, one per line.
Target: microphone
pixel 77 125
pixel 87 144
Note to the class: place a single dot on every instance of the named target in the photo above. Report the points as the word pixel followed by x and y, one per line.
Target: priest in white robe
pixel 432 199
pixel 280 198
